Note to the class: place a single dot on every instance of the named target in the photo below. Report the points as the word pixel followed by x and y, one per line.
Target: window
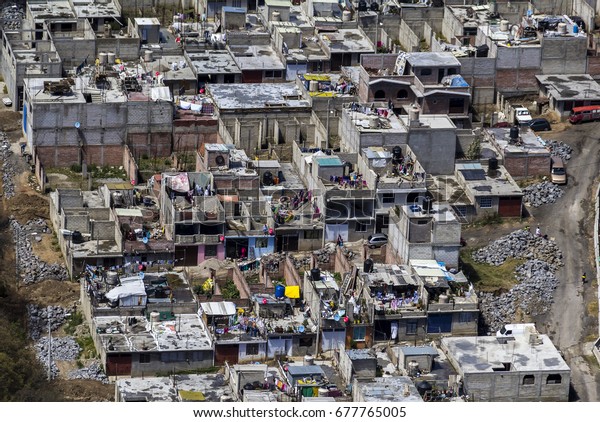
pixel 312 234
pixel 359 333
pixel 528 380
pixel 411 328
pixel 388 198
pixel 485 202
pixel 252 349
pixel 210 250
pixel 144 358
pixel 305 342
pixel 465 317
pixel 554 379
pixel 425 72
pixel 380 95
pixel 261 242
pixel 402 94
pixel 361 228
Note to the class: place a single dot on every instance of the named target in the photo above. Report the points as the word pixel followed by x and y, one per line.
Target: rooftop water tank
pixel 103 58
pixel 504 25
pixel 148 55
pixel 111 58
pixel 309 360
pixel 575 29
pixel 413 368
pixel 275 16
pixel 315 274
pixel 279 291
pixel 373 122
pixel 562 28
pixel 368 265
pixel 154 316
pixel 268 178
pixel 346 16
pixel 313 86
pixel 396 154
pixel 514 132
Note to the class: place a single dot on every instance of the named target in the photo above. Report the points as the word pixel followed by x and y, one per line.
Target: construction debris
pixel 542 193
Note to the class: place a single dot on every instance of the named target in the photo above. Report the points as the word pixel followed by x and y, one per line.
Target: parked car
pixel 539 124
pixel 7 101
pixel 377 240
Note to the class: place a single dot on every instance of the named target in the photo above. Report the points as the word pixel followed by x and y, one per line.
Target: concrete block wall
pixel 446 254
pixel 524 165
pixel 446 232
pixel 241 38
pixel 76 222
pixel 480 74
pixel 434 149
pixel 564 55
pixel 124 48
pixel 190 135
pixel 408 39
pixel 103 230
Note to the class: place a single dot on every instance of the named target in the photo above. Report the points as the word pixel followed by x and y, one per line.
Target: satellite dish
pixel 77 125
pixel 145 240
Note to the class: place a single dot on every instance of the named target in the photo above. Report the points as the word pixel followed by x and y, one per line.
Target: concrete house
pixel 385 389
pixel 490 371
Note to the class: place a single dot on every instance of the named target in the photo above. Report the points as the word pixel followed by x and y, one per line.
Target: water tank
pixel 346 16
pixel 413 368
pixel 112 278
pixel 323 392
pixel 443 299
pixel 482 51
pixel 396 155
pixel 111 58
pixel 368 265
pixel 493 163
pixel 413 113
pixel 276 16
pixel 362 6
pixel 504 25
pixel 373 122
pixel 76 237
pixel 427 205
pixel 309 360
pixel 279 291
pixel 423 387
pixel 103 58
pixel 374 6
pixel 268 178
pixel 148 55
pixel 313 86
pixel 562 28
pixel 154 316
pixel 514 132
pixel 575 29
pixel 315 274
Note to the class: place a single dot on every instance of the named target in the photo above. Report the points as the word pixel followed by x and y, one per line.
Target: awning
pixel 293 292
pixel 218 308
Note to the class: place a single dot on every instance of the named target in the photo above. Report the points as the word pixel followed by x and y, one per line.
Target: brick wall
pixel 130 165
pixel 593 66
pixel 527 165
pixel 517 79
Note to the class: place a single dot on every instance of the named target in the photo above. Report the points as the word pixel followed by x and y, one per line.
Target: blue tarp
pixel 458 81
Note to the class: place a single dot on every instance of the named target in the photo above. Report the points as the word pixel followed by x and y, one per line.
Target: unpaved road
pixel 571 223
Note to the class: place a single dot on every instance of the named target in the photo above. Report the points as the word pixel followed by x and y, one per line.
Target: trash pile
pixel 63 348
pixel 536 280
pixel 542 193
pixel 30 267
pixel 38 319
pixel 8 171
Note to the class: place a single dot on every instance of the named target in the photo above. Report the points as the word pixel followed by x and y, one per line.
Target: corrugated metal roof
pixel 218 308
pixel 419 351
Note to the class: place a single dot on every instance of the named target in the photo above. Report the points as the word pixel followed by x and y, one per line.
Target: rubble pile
pixel 323 256
pixel 519 244
pixel 11 17
pixel 93 371
pixel 542 193
pixel 8 171
pixel 536 282
pixel 561 149
pixel 38 319
pixel 63 348
pixel 31 268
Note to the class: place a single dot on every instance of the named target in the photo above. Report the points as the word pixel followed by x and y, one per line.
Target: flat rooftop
pixel 570 87
pixel 50 9
pixel 146 21
pixel 480 184
pixel 82 84
pixel 439 212
pixel 96 9
pixel 367 121
pixel 167 389
pixel 256 96
pixel 172 67
pixel 433 121
pixel 528 141
pixel 214 62
pixel 256 57
pixel 121 334
pixel 490 354
pixel 389 389
pixel 428 59
pixel 347 40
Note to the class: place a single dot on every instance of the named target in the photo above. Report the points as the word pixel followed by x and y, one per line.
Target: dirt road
pixel 570 222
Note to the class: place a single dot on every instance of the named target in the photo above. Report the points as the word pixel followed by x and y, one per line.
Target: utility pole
pixel 327 134
pixel 49 350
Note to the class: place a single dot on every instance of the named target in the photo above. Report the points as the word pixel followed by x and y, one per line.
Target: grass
pixel 74 321
pixel 489 278
pixel 488 219
pixel 209 370
pixel 592 308
pixel 88 349
pixel 523 183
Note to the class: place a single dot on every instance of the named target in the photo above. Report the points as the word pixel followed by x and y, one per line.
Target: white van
pixel 510 330
pixel 558 173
